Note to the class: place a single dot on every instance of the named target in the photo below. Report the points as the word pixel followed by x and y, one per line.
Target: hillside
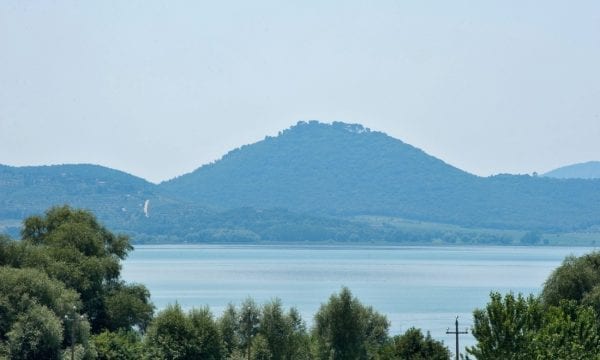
pixel 587 170
pixel 116 197
pixel 347 170
pixel 314 182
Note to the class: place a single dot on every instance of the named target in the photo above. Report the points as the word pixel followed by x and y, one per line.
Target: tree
pixel 128 306
pixel 249 317
pixel 72 246
pixel 120 345
pixel 412 345
pixel 170 335
pixel 37 333
pixel 568 329
pixel 229 327
pixel 573 280
pixel 346 329
pixel 275 329
pixel 206 333
pixel 505 328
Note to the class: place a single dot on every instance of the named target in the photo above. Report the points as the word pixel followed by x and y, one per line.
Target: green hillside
pixel 346 170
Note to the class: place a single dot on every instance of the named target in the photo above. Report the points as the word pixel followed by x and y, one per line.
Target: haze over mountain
pixel 587 170
pixel 312 182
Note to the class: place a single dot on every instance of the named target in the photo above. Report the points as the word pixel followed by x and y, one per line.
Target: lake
pixel 425 287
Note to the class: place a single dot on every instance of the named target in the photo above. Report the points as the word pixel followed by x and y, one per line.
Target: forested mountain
pixel 116 197
pixel 587 170
pixel 312 182
pixel 344 169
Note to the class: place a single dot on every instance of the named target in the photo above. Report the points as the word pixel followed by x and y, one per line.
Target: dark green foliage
pixel 120 345
pixel 504 330
pixel 412 345
pixel 176 335
pixel 71 246
pixel 228 326
pixel 576 279
pixel 346 329
pixel 249 317
pixel 128 306
pixel 37 333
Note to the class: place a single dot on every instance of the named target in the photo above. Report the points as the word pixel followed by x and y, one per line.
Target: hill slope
pixel 343 169
pixel 587 170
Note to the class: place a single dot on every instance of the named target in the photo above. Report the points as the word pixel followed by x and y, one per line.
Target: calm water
pixel 426 287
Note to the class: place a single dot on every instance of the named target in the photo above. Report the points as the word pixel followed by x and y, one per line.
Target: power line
pixel 457 333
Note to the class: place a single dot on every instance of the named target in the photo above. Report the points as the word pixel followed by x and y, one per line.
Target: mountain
pixel 347 170
pixel 587 170
pixel 116 197
pixel 314 182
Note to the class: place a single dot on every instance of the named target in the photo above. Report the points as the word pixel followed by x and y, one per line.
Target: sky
pixel 158 88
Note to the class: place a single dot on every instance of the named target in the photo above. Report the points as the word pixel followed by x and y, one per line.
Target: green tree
pixel 37 333
pixel 249 317
pixel 170 335
pixel 120 345
pixel 412 345
pixel 570 331
pixel 275 329
pixel 505 328
pixel 206 334
pixel 573 280
pixel 346 329
pixel 128 306
pixel 72 246
pixel 228 325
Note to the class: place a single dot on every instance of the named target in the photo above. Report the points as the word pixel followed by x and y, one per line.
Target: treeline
pixel 61 297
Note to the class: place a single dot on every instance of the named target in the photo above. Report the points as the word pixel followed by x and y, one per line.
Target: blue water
pixel 425 287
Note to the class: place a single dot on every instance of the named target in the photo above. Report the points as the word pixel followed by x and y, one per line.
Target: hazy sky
pixel 159 88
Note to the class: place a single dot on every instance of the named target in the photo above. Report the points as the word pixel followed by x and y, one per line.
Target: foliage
pixel 120 345
pixel 346 329
pixel 37 333
pixel 576 279
pixel 412 345
pixel 176 335
pixel 504 329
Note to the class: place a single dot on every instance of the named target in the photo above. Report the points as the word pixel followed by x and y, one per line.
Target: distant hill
pixel 345 170
pixel 314 182
pixel 587 170
pixel 116 197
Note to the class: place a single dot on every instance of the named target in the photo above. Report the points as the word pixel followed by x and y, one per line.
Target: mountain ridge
pixel 311 180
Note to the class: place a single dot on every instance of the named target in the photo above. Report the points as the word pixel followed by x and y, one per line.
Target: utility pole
pixel 456 332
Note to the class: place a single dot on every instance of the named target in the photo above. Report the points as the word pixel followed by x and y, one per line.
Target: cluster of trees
pixel 563 322
pixel 61 296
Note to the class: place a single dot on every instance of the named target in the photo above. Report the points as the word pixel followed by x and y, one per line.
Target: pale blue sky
pixel 157 88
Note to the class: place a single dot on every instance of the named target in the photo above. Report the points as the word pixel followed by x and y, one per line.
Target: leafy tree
pixel 575 279
pixel 412 345
pixel 206 334
pixel 120 345
pixel 346 329
pixel 570 331
pixel 128 306
pixel 170 335
pixel 504 329
pixel 249 317
pixel 229 327
pixel 260 348
pixel 36 334
pixel 275 329
pixel 72 246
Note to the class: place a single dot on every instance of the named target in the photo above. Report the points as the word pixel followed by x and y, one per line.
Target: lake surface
pixel 425 287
